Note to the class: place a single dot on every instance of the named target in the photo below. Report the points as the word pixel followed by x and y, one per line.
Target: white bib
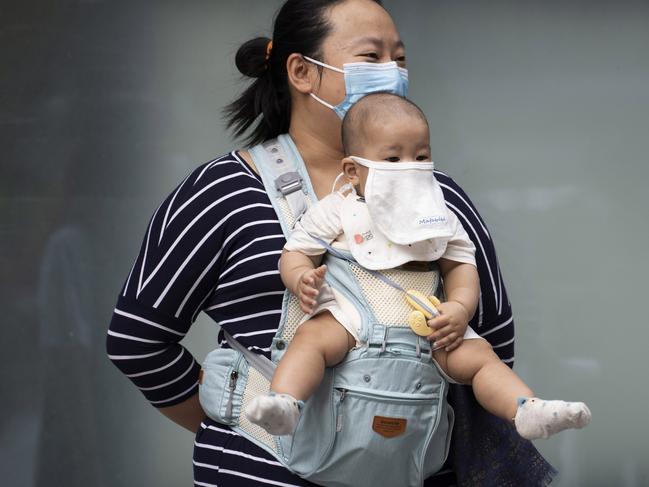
pixel 405 201
pixel 372 249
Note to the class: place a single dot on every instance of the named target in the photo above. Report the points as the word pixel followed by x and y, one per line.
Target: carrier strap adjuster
pixel 288 183
pixel 384 342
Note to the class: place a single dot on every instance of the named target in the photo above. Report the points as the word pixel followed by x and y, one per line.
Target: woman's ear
pixel 350 171
pixel 301 74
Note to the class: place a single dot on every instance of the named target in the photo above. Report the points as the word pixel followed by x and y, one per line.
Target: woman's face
pixel 362 31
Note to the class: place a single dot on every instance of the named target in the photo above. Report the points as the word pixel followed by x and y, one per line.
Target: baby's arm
pixel 303 250
pixel 462 289
pixel 302 277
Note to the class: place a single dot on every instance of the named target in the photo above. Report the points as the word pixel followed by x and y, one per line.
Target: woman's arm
pixel 175 271
pixel 493 318
pixel 187 414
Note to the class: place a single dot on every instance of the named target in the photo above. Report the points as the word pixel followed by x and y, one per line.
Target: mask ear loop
pixel 344 187
pixel 333 188
pixel 328 105
pixel 324 65
pixel 365 162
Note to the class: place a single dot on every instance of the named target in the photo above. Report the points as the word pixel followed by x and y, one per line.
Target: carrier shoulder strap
pixel 284 175
pixel 285 178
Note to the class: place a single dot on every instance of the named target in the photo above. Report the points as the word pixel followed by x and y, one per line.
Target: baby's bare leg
pixel 496 386
pixel 318 343
pixel 500 391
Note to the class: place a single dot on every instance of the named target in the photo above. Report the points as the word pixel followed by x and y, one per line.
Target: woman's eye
pixel 392 159
pixel 401 60
pixel 372 55
pixel 422 157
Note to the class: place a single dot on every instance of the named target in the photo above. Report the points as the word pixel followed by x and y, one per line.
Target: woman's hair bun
pixel 251 57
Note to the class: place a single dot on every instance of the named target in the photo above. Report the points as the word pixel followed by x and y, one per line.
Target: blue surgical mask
pixel 364 78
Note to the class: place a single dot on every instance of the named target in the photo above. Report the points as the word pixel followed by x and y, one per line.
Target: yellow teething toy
pixel 425 308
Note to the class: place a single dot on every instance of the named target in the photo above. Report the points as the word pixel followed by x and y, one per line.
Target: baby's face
pixel 390 141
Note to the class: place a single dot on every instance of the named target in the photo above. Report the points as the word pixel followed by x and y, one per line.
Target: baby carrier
pixel 381 416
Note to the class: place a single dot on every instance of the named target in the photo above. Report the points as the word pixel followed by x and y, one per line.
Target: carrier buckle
pixel 384 344
pixel 288 183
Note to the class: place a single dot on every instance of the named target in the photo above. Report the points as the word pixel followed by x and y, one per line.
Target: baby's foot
pixel 276 413
pixel 537 418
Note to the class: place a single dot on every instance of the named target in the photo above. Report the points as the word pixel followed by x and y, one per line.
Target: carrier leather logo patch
pixel 200 377
pixel 389 427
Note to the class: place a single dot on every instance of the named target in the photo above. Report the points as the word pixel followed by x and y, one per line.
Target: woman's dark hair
pixel 300 26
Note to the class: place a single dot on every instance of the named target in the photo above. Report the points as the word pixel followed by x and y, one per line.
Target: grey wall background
pixel 539 109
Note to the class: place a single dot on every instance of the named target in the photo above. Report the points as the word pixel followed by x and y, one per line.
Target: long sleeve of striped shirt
pixel 176 270
pixel 493 319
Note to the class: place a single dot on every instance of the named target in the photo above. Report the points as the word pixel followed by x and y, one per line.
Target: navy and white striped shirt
pixel 213 246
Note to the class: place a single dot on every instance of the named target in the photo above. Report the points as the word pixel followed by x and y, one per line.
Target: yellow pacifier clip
pixel 425 308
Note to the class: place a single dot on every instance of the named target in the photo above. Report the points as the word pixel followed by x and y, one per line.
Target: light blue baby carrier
pixel 379 418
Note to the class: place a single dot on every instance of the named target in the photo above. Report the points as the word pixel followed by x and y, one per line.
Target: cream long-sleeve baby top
pixel 343 221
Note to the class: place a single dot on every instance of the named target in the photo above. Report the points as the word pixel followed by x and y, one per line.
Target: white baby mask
pixel 405 201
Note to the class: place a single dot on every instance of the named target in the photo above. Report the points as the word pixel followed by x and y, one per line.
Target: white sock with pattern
pixel 276 413
pixel 537 418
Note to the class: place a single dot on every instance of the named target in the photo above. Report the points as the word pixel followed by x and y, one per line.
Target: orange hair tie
pixel 269 48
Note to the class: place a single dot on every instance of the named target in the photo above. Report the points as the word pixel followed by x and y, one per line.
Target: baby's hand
pixel 308 287
pixel 449 326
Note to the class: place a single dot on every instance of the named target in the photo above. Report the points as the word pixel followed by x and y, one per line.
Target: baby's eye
pixel 392 159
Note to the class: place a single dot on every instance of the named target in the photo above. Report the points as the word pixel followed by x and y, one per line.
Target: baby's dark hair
pixel 374 108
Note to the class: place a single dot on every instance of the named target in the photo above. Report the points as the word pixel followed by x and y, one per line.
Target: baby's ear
pixel 350 171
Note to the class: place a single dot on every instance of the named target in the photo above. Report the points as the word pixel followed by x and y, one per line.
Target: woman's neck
pixel 321 158
pixel 316 149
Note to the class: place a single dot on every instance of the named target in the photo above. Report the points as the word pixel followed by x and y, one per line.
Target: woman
pixel 214 242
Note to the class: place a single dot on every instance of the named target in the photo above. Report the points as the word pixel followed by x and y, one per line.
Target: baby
pixel 390 214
